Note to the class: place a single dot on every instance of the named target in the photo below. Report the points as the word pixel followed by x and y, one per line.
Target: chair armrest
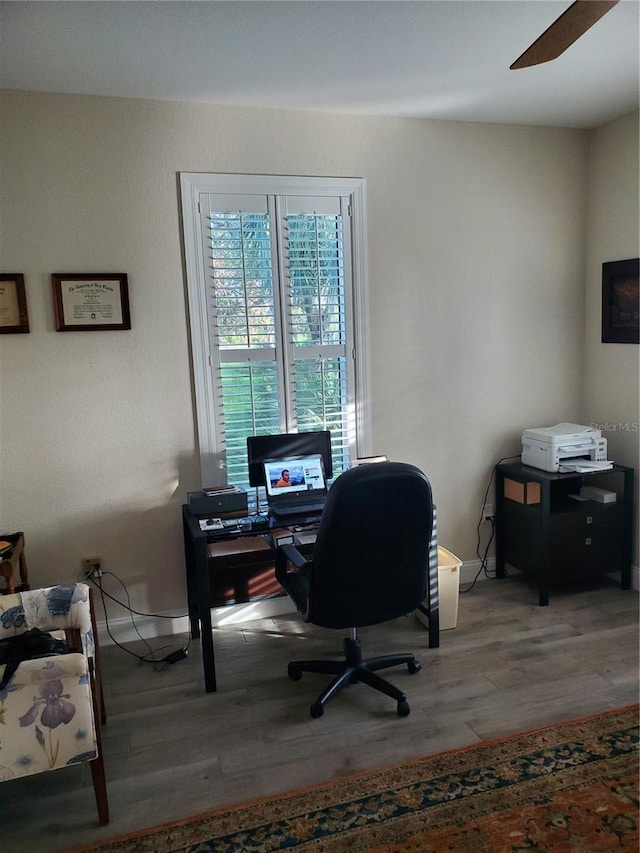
pixel 294 556
pixel 295 583
pixel 286 555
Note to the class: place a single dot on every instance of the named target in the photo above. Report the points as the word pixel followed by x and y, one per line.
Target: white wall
pixel 612 371
pixel 476 237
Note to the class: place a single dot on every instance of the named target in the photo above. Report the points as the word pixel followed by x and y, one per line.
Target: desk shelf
pixel 244 569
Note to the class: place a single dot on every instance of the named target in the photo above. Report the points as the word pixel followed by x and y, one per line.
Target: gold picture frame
pixel 90 302
pixel 14 317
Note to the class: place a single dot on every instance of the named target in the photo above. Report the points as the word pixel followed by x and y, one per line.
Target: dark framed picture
pixel 90 302
pixel 621 302
pixel 14 318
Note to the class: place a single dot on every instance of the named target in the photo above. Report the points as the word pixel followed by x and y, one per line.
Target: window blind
pixel 275 280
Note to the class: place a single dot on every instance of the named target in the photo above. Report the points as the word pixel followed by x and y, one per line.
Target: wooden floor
pixel 172 751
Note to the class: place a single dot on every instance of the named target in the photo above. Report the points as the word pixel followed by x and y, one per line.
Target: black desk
pixel 544 532
pixel 247 562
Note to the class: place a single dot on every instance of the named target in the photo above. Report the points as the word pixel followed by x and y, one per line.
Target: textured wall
pixel 476 248
pixel 612 371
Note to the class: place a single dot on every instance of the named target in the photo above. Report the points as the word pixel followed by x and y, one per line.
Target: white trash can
pixel 448 590
pixel 448 587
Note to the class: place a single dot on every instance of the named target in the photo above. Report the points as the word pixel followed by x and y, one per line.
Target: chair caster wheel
pixel 293 673
pixel 403 708
pixel 414 666
pixel 317 710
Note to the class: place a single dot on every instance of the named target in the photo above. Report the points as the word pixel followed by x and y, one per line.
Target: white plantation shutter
pixel 318 317
pixel 243 325
pixel 272 306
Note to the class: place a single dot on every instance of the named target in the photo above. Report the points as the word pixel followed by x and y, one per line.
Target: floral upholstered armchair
pixel 51 710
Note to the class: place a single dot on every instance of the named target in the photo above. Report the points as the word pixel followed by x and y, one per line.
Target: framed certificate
pixel 13 304
pixel 84 302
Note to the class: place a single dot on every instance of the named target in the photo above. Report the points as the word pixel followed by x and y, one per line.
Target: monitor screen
pixel 263 447
pixel 294 475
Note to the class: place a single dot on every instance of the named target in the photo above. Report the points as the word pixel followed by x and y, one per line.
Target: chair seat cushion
pixel 46 716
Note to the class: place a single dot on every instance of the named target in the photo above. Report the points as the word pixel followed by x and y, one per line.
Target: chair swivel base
pixel 354 669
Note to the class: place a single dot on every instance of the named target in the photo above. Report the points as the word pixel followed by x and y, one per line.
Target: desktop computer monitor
pixel 262 447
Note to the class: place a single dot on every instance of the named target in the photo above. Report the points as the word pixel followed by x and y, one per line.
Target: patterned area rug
pixel 570 788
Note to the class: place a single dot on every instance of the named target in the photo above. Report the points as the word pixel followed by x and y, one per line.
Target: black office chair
pixel 369 565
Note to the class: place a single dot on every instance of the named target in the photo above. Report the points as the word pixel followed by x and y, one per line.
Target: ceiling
pixel 439 59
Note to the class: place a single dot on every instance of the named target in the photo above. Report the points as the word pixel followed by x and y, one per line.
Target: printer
pixel 565 447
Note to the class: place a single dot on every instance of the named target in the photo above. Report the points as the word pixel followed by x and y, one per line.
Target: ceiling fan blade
pixel 573 23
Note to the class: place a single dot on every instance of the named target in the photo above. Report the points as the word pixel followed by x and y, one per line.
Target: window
pixel 275 275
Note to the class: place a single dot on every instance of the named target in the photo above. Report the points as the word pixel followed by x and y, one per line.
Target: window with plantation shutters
pixel 275 274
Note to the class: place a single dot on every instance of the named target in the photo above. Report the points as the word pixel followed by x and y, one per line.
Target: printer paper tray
pixel 583 466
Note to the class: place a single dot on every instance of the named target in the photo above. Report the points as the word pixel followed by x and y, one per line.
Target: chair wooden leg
pixel 97 765
pixel 100 788
pixel 103 713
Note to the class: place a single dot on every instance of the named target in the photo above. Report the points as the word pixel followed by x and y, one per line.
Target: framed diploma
pixel 84 302
pixel 13 304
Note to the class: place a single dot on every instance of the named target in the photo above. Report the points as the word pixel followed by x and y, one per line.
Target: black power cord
pixel 172 657
pixel 484 557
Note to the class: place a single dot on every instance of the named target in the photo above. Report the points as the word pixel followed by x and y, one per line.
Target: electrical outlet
pixel 91 566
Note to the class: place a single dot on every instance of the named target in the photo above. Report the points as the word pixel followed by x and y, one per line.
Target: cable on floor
pixel 159 664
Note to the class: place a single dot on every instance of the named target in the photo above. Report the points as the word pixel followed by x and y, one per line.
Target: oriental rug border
pixel 568 787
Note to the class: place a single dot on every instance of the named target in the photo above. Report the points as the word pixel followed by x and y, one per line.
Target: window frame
pixel 192 186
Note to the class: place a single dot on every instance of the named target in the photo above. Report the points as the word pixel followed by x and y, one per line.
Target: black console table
pixel 544 532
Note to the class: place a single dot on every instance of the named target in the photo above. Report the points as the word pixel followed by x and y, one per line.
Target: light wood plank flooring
pixel 172 751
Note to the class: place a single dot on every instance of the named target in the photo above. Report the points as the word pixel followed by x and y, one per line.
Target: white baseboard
pixel 238 614
pixel 163 625
pixel 470 569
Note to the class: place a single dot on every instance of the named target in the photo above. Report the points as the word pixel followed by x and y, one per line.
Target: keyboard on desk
pixel 298 509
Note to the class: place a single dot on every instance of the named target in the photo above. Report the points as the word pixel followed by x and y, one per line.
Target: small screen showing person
pixel 294 475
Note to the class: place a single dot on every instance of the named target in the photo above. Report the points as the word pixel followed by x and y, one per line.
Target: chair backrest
pixel 66 607
pixel 371 554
